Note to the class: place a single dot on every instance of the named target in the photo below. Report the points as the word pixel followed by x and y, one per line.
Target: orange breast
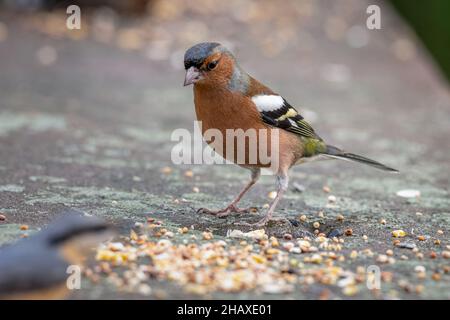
pixel 254 144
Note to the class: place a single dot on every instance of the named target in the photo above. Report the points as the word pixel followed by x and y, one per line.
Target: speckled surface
pixel 92 132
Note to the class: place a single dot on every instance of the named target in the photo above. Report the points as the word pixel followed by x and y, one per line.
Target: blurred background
pixel 429 20
pixel 86 115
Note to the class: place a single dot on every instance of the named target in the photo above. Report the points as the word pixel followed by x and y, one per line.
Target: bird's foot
pixel 227 211
pixel 263 222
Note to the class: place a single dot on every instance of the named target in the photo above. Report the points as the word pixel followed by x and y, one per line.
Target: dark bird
pixel 226 97
pixel 36 267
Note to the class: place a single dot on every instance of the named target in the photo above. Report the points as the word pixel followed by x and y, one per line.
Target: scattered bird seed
pixel 272 195
pixel 398 233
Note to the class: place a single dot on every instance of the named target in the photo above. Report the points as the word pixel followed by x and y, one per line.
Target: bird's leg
pixel 232 208
pixel 282 182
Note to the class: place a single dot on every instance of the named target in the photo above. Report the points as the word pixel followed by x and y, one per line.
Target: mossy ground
pixel 96 139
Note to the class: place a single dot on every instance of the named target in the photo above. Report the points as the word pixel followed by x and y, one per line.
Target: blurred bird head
pixel 209 63
pixel 75 235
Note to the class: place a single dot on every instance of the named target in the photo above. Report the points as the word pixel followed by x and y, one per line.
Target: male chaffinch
pixel 226 97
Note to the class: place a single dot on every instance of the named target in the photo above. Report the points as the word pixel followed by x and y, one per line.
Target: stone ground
pixel 86 124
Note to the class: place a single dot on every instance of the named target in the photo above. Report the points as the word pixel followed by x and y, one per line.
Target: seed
pixel 390 252
pixel 348 232
pixel 207 235
pixel 340 217
pixel 353 254
pixel 398 233
pixel 23 227
pixel 440 232
pixel 419 214
pixel 436 276
pixel 419 255
pixel 446 254
pixel 2 217
pixel 437 242
pixel 364 237
pixel 326 189
pixel 196 190
pixel 166 170
pixel 419 289
pixel 272 194
pixel 189 173
pixel 287 236
pixel 316 225
pixel 433 255
pixel 421 238
pixel 403 257
pixel 383 221
pixel 320 214
pixel 303 218
pixel 266 206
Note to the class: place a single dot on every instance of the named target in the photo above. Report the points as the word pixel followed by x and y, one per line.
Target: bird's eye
pixel 211 65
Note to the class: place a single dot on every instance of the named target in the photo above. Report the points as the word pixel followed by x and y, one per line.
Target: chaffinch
pixel 226 97
pixel 36 267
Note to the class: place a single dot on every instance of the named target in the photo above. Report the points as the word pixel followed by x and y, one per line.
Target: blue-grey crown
pixel 196 55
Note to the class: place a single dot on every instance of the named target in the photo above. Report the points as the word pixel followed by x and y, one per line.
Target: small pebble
pixel 23 227
pixel 326 189
pixel 446 254
pixel 383 221
pixel 420 269
pixel 389 252
pixel 348 232
pixel 406 245
pixel 196 190
pixel 316 225
pixel 364 237
pixel 335 233
pixel 340 217
pixel 332 199
pixel 440 232
pixel 2 217
pixel 421 238
pixel 303 218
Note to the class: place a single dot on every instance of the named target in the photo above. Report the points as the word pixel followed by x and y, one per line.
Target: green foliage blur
pixel 431 21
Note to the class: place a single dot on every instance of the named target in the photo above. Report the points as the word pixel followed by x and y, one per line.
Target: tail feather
pixel 337 153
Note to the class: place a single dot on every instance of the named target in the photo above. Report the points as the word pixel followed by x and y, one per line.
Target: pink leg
pixel 282 181
pixel 232 208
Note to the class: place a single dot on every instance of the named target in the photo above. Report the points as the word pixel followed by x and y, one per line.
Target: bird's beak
pixel 192 76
